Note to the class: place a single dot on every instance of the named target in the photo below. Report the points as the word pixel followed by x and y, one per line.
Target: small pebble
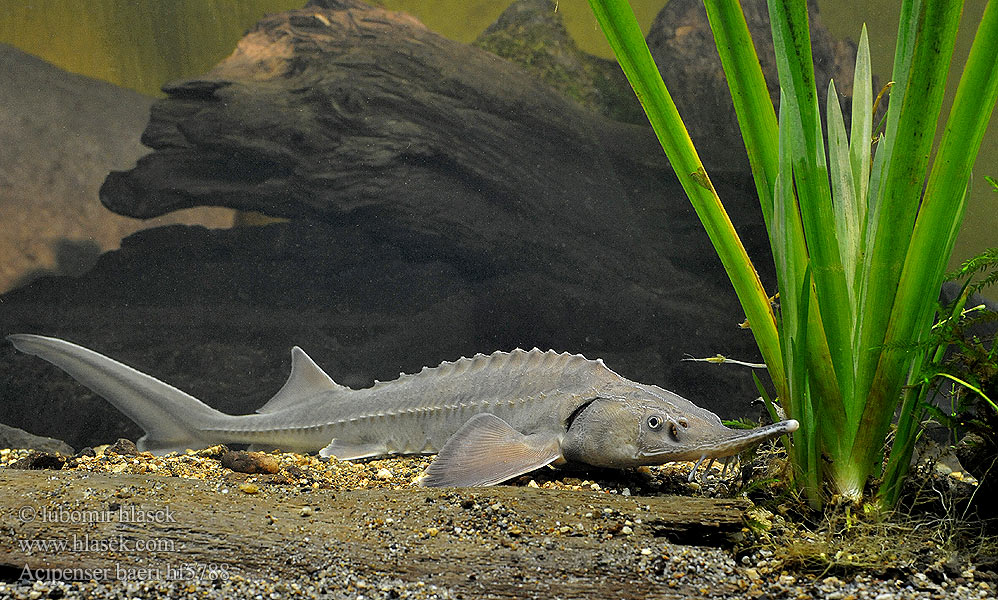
pixel 123 447
pixel 250 462
pixel 943 469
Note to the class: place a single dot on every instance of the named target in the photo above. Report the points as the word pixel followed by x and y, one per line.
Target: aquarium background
pixel 559 228
pixel 142 45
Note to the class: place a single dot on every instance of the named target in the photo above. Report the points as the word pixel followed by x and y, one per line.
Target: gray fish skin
pixel 489 418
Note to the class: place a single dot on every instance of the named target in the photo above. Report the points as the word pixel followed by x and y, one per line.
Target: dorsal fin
pixel 306 380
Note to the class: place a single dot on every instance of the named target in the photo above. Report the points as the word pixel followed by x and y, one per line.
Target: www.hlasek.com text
pixel 88 543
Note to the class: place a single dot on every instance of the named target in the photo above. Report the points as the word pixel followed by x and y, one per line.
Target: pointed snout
pixel 721 442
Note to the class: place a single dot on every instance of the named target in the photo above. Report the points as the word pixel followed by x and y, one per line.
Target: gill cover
pixel 603 433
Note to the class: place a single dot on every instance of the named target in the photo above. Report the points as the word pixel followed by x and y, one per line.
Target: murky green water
pixel 141 45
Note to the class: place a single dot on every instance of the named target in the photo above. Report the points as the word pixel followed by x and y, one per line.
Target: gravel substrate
pixel 705 569
pixel 645 564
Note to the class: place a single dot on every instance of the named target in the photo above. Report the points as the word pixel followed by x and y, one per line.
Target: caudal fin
pixel 171 418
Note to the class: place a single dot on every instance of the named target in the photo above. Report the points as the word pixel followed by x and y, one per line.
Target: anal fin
pixel 347 451
pixel 487 451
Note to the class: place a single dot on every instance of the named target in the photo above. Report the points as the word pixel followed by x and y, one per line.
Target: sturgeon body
pixel 488 418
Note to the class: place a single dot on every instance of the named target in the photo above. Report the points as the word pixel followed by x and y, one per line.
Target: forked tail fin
pixel 171 418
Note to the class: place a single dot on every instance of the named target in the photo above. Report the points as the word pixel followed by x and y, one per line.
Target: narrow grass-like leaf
pixel 624 35
pixel 788 235
pixel 809 461
pixel 912 114
pixel 791 268
pixel 845 211
pixel 861 131
pixel 895 304
pixel 792 43
pixel 771 409
pixel 912 413
pixel 800 390
pixel 858 262
pixel 941 212
pixel 753 107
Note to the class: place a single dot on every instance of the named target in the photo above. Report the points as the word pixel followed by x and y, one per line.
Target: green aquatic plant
pixel 860 236
pixel 962 367
pixel 951 357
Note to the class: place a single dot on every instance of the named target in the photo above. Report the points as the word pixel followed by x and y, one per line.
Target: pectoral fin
pixel 487 451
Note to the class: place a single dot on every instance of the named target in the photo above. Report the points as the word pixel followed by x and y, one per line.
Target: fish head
pixel 652 426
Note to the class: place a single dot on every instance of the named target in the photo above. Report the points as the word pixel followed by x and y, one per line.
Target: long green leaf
pixel 912 412
pixel 944 202
pixel 624 35
pixel 861 132
pixel 845 211
pixel 750 95
pixel 807 443
pixel 792 43
pixel 928 39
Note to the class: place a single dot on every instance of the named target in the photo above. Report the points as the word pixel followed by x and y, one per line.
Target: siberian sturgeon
pixel 488 418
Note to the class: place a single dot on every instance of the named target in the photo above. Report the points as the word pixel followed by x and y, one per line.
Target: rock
pixel 37 461
pixel 62 134
pixel 215 313
pixel 979 456
pixel 12 437
pixel 250 462
pixel 683 48
pixel 531 34
pixel 249 488
pixel 123 446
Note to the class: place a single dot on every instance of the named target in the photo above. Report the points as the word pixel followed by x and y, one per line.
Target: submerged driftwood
pixel 361 116
pixel 506 541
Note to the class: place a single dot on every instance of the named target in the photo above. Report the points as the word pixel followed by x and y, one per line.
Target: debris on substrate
pixel 287 468
pixel 780 554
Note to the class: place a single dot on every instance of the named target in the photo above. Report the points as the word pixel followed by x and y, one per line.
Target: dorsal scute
pixel 544 363
pixel 517 374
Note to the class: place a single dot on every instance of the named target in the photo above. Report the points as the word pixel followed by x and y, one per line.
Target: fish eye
pixel 654 422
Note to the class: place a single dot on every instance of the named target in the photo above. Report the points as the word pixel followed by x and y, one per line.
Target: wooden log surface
pixel 490 542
